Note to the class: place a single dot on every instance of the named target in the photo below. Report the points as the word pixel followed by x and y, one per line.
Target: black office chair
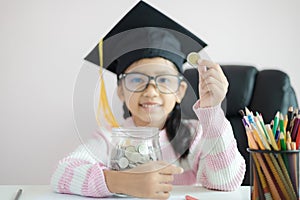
pixel 265 91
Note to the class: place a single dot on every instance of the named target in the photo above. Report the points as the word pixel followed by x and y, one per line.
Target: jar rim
pixel 139 132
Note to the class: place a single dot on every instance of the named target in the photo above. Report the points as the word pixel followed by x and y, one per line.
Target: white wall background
pixel 42 45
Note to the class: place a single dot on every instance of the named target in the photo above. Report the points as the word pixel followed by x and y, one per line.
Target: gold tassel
pixel 103 102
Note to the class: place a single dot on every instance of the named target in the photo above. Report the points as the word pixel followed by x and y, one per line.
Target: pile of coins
pixel 127 157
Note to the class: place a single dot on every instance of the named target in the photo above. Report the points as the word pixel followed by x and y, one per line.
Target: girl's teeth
pixel 150 106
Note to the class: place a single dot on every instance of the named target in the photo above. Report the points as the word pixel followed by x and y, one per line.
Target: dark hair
pixel 178 133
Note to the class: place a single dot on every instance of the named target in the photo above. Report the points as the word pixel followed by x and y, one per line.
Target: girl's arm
pixel 216 159
pixel 83 173
pixel 80 173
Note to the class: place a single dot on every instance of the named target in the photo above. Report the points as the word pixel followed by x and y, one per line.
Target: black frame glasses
pixel 138 82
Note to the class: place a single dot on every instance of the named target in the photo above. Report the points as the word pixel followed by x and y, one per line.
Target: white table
pixel 43 192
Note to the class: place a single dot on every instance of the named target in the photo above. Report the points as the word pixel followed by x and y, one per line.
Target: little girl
pixel 151 86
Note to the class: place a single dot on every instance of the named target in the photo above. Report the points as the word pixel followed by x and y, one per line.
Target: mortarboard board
pixel 144 32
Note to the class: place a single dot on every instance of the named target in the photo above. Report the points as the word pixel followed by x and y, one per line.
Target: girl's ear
pixel 181 91
pixel 121 92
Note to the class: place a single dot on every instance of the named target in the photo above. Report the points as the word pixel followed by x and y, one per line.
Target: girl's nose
pixel 151 89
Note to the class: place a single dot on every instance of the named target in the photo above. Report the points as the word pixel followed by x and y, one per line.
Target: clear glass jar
pixel 131 147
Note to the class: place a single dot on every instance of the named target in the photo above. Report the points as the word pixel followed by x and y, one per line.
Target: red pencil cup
pixel 274 174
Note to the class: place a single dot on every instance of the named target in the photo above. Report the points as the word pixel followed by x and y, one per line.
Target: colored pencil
pixel 276 121
pixel 289 115
pixel 298 138
pixel 295 128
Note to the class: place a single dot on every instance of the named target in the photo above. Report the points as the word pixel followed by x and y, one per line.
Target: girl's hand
pixel 151 180
pixel 213 84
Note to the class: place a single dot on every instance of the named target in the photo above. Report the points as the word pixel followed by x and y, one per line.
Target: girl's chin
pixel 154 113
pixel 153 119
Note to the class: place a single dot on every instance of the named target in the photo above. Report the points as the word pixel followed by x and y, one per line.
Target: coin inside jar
pixel 133 147
pixel 123 163
pixel 193 58
pixel 143 149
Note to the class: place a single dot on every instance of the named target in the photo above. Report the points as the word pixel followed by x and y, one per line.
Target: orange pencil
pixel 288 137
pixel 285 122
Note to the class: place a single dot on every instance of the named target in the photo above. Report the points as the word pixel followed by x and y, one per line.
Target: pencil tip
pixel 247 111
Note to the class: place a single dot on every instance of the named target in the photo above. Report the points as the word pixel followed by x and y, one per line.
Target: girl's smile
pixel 150 106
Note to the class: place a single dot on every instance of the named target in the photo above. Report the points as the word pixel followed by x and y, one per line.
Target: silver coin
pixel 144 159
pixel 134 157
pixel 116 153
pixel 132 165
pixel 123 163
pixel 114 165
pixel 143 149
pixel 128 154
pixel 130 149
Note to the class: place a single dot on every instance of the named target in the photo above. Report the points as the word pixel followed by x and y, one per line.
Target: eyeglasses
pixel 138 82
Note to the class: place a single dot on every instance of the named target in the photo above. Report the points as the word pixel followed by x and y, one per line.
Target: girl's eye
pixel 136 80
pixel 163 80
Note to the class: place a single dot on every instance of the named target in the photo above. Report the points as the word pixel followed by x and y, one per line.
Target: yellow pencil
pixel 272 138
pixel 281 125
pixel 262 132
pixel 258 138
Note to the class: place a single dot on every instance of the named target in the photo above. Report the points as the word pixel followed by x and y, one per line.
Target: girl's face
pixel 152 105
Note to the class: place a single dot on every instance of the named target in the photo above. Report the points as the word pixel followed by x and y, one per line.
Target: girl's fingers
pixel 162 195
pixel 212 72
pixel 164 191
pixel 201 71
pixel 165 188
pixel 205 96
pixel 171 169
pixel 213 86
pixel 209 64
pixel 211 82
pixel 213 78
pixel 212 92
pixel 166 178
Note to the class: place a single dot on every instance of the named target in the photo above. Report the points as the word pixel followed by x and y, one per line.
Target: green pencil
pixel 276 121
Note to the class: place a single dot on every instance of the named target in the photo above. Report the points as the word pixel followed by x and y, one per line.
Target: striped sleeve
pixel 216 159
pixel 81 173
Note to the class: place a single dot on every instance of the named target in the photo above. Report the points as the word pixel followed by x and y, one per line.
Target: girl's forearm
pixel 115 181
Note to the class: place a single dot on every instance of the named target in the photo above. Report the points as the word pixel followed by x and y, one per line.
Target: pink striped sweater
pixel 214 160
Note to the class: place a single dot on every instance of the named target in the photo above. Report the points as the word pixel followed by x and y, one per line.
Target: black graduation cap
pixel 144 32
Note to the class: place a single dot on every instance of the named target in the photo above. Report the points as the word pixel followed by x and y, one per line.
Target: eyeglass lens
pixel 138 82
